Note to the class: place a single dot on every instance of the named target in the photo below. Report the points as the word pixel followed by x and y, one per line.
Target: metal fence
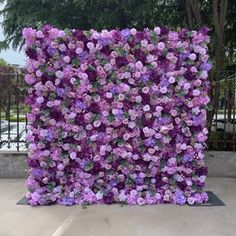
pixel 13 120
pixel 223 128
pixel 13 111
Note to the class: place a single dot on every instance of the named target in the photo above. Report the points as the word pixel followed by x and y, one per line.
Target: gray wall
pixel 13 164
pixel 220 164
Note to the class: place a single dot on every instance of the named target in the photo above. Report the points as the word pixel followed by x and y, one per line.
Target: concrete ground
pixel 19 220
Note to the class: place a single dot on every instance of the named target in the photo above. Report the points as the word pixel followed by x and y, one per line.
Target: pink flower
pixel 66 59
pixel 73 155
pixel 187 86
pixel 139 65
pixel 40 34
pixel 201 137
pixel 145 90
pixel 29 34
pixel 122 197
pixel 190 200
pixel 146 108
pixel 99 195
pixel 157 30
pixel 161 46
pixel 126 136
pixel 107 66
pixel 196 92
pixel 109 95
pixel 174 113
pixel 60 166
pixel 138 99
pixel 38 73
pixel 171 79
pixel 204 74
pixel 141 201
pixel 133 193
pixel 30 79
pixel 40 100
pixel 97 123
pixel 59 74
pixel 133 31
pixel 192 56
pixel 79 50
pixel 163 90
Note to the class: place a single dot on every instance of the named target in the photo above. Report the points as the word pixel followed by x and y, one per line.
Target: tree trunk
pixel 219 14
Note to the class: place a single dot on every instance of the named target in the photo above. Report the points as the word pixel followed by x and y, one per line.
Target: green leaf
pixel 52 95
pixel 120 141
pixel 123 203
pixel 162 163
pixel 123 162
pixel 95 117
pixel 68 31
pixel 154 37
pixel 121 51
pixel 50 186
pixel 129 181
pixel 51 74
pixel 109 159
pixel 103 61
pixel 152 192
pixel 89 166
pixel 149 66
pixel 126 114
pixel 172 182
pixel 87 33
pixel 95 85
pixel 85 205
pixel 180 49
pixel 111 118
pixel 75 62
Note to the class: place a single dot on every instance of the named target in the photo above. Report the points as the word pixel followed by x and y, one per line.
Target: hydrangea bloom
pixel 116 116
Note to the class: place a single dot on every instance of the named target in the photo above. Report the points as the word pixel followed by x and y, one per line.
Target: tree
pixel 86 14
pixel 219 15
pixel 3 63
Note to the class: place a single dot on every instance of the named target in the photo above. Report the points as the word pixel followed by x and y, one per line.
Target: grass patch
pixel 14 118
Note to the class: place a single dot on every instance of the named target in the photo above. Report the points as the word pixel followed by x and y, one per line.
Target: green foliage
pixel 3 63
pixel 220 141
pixel 87 14
pixel 108 14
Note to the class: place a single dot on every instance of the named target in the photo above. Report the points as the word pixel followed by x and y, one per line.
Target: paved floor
pixel 115 220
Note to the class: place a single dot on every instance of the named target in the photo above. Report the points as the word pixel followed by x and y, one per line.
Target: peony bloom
pixel 141 201
pixel 196 92
pixel 161 46
pixel 59 74
pixel 171 80
pixel 146 108
pixel 192 56
pixel 163 90
pixel 29 79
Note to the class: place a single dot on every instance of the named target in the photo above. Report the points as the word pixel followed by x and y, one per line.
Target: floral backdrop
pixel 116 116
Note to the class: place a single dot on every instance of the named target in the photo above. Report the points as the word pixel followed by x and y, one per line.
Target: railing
pixel 223 128
pixel 13 120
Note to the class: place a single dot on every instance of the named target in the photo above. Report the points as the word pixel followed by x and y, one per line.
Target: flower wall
pixel 116 116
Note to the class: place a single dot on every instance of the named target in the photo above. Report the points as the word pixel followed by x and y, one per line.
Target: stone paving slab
pixel 114 220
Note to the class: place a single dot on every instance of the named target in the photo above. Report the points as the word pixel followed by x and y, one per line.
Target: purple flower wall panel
pixel 116 116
